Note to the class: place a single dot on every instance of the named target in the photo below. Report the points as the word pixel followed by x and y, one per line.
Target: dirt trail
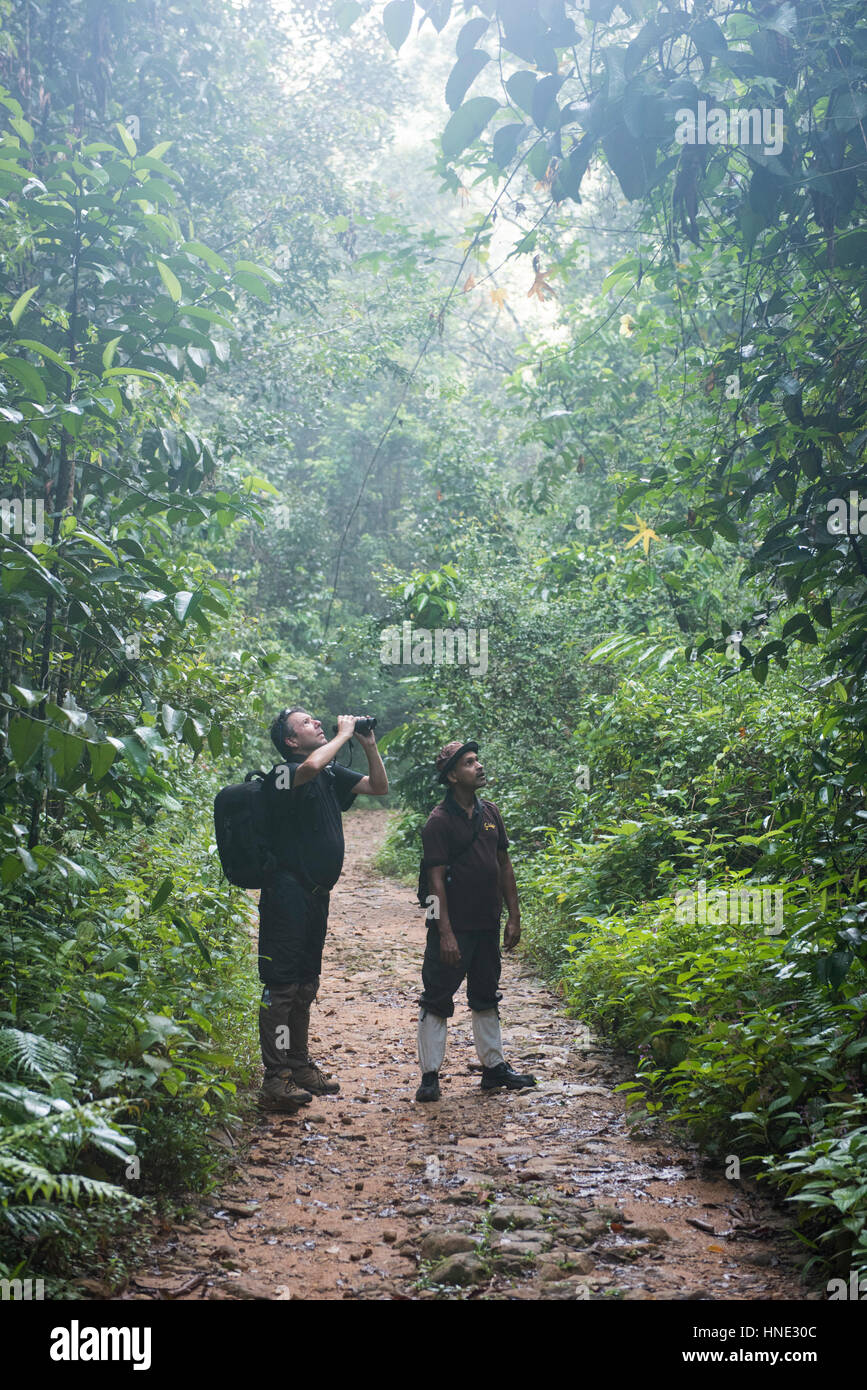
pixel 533 1195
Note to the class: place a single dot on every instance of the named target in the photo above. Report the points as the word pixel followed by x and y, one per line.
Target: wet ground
pixel 538 1194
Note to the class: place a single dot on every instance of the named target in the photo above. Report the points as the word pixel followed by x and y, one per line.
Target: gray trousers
pixel 284 1025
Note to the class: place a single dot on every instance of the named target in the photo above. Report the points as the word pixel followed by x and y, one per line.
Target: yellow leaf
pixel 643 533
pixel 498 297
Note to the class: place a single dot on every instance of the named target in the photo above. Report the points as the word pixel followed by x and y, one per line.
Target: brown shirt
pixel 473 893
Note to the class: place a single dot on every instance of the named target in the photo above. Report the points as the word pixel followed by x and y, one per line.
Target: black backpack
pixel 423 891
pixel 243 826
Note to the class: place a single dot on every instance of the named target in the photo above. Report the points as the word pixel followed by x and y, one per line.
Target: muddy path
pixel 538 1194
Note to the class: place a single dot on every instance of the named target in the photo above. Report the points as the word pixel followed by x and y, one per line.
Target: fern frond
pixel 69 1124
pixel 33 1220
pixel 31 1179
pixel 33 1054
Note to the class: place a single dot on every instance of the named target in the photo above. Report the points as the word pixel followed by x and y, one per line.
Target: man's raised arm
pixel 376 781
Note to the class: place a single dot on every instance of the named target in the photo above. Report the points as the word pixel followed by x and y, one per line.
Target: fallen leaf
pixel 540 287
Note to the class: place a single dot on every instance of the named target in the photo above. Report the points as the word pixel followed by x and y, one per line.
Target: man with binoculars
pixel 306 795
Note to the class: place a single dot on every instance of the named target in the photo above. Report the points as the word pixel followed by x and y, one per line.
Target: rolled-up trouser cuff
pixel 487 1037
pixel 431 1041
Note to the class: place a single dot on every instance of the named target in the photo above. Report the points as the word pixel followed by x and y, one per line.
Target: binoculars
pixel 362 726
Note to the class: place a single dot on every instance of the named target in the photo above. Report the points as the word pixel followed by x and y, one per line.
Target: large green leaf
pixel 135 754
pixel 25 736
pixel 397 21
pixel 21 304
pixel 64 751
pixel 467 124
pixel 632 160
pixel 506 141
pixel 170 280
pixel 521 87
pixel 26 698
pixel 162 894
pixel 101 756
pixel 463 75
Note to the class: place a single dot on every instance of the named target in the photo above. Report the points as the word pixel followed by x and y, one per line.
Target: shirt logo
pixel 489 826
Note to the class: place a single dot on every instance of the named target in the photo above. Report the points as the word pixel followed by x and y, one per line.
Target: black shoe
pixel 430 1086
pixel 502 1075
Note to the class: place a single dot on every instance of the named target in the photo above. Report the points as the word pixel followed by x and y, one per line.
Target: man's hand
pixel 366 740
pixel 449 950
pixel 376 781
pixel 345 726
pixel 512 934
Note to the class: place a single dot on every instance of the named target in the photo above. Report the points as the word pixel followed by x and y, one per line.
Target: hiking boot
pixel 314 1080
pixel 430 1086
pixel 502 1075
pixel 281 1093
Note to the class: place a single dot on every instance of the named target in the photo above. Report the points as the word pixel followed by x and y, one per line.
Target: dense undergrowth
pixel 698 896
pixel 264 419
pixel 126 1033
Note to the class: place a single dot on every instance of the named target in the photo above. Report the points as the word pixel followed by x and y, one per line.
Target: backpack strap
pixel 469 844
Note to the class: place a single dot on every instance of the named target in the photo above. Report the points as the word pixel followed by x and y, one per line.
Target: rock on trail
pixel 538 1194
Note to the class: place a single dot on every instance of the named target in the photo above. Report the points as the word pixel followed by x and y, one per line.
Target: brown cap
pixel 449 755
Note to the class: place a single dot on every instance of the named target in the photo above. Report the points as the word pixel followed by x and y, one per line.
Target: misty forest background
pixel 316 319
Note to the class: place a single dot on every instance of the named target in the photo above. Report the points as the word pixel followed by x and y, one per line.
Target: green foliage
pixel 41 1132
pixel 744 1040
pixel 721 428
pixel 827 1176
pixel 267 419
pixel 128 671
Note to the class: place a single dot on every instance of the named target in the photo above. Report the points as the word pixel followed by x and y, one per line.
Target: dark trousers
pixel 480 963
pixel 292 926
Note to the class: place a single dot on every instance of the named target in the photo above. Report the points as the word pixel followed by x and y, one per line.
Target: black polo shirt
pixel 473 895
pixel 307 821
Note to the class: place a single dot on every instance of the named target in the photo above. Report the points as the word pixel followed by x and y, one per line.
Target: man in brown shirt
pixel 469 874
